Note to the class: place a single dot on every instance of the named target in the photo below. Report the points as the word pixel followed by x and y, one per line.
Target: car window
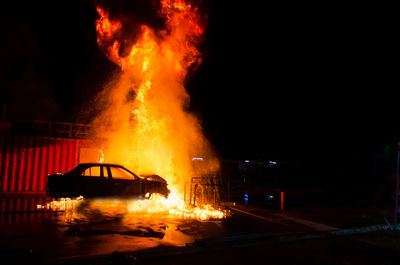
pixel 105 172
pixel 119 173
pixel 92 172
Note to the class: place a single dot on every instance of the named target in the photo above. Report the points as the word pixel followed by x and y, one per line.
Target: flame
pixel 101 159
pixel 173 207
pixel 144 123
pixel 61 204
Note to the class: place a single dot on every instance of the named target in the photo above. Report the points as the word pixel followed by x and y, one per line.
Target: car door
pixel 124 183
pixel 94 181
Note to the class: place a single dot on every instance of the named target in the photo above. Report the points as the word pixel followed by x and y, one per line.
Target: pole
pixel 396 204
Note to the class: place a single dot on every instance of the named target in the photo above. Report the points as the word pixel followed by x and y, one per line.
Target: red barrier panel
pixel 25 161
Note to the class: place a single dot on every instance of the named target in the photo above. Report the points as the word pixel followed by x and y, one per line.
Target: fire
pixel 105 31
pixel 144 124
pixel 62 204
pixel 173 207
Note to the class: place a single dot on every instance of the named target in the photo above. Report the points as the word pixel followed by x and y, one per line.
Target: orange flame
pixel 145 125
pixel 106 30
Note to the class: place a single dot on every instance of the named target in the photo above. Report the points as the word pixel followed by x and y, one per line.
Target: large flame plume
pixel 145 123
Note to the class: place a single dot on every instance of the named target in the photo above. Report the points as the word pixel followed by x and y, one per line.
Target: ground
pixel 371 248
pixel 301 234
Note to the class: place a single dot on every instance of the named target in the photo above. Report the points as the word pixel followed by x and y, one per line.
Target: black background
pixel 282 80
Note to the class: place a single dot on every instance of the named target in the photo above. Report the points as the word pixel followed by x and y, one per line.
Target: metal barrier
pixel 51 129
pixel 203 190
pixel 25 161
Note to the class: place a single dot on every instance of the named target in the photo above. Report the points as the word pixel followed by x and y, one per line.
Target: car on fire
pixel 92 180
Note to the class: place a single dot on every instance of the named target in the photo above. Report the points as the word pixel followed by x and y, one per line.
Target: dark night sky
pixel 279 80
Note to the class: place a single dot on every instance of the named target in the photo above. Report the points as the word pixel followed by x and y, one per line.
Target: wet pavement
pixel 40 237
pixel 54 236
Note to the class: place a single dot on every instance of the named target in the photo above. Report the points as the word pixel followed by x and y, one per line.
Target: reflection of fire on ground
pixel 155 219
pixel 134 224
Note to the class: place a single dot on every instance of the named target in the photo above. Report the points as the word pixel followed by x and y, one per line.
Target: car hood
pixel 154 178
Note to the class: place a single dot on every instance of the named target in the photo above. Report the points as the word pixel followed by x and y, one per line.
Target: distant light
pixel 270 197
pixel 246 199
pixel 247 161
pixel 273 162
pixel 197 158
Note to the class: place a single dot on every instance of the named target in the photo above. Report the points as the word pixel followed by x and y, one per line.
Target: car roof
pixel 100 164
pixel 84 166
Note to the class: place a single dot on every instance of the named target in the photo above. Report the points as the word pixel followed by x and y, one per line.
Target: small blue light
pixel 247 161
pixel 270 197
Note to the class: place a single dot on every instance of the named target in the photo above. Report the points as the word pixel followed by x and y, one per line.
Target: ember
pixel 144 123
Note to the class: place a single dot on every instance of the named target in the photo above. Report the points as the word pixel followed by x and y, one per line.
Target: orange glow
pixel 62 204
pixel 145 125
pixel 105 33
pixel 157 206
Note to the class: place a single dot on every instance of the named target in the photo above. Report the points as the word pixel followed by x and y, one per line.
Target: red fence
pixel 25 161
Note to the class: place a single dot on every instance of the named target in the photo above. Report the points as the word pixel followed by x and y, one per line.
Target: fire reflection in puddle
pixel 85 227
pixel 129 228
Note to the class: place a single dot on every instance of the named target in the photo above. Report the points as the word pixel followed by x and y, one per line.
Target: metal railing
pixel 204 189
pixel 51 129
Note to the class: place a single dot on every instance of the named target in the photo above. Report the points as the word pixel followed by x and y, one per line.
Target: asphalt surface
pixel 40 237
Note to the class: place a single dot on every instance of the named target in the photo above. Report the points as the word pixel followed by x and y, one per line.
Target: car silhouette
pixel 104 180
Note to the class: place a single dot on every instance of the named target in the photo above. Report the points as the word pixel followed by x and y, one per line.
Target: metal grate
pixel 203 190
pixel 51 129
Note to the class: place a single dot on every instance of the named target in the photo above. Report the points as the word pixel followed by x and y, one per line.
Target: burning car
pixel 104 180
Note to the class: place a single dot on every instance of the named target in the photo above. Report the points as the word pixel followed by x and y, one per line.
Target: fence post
pixel 396 204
